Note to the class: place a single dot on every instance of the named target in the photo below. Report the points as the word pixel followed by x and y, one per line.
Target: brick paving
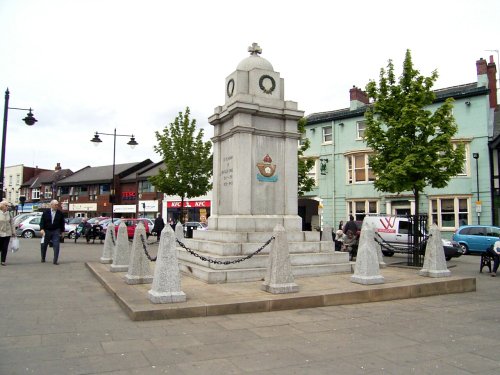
pixel 61 320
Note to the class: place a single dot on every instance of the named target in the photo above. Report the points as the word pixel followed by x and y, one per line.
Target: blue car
pixel 476 238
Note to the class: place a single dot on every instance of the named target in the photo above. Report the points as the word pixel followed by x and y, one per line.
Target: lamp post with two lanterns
pixel 28 120
pixel 132 143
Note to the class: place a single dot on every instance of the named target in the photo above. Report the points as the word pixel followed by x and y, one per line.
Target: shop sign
pixel 128 195
pixel 188 204
pixel 149 206
pixel 125 209
pixel 83 206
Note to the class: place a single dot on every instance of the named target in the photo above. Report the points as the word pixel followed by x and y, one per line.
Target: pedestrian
pixel 341 225
pixel 350 226
pixel 158 226
pixel 51 228
pixel 494 251
pixel 6 230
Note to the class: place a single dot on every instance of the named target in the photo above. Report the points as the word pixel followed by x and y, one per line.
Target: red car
pixel 131 224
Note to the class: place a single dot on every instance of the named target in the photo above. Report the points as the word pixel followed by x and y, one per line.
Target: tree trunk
pixel 416 237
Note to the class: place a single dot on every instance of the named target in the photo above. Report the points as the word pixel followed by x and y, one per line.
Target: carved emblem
pixel 267 170
pixel 230 87
pixel 267 84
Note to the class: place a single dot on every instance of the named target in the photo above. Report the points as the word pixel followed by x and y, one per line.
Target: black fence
pixel 417 239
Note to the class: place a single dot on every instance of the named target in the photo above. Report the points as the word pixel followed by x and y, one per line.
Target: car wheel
pixel 448 258
pixel 387 253
pixel 464 248
pixel 28 234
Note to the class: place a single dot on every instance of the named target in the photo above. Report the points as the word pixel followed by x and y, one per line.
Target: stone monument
pixel 255 182
pixel 366 270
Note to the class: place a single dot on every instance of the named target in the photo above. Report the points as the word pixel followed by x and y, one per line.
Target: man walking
pixel 51 227
pixel 158 227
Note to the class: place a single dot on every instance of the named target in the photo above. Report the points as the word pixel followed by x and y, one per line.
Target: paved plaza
pixel 61 320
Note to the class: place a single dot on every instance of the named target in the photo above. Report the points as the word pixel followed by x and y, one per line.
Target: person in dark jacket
pixel 158 227
pixel 351 226
pixel 51 228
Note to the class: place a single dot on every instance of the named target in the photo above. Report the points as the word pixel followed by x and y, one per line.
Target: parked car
pixel 21 217
pixel 476 238
pixel 29 228
pixel 131 225
pixel 194 225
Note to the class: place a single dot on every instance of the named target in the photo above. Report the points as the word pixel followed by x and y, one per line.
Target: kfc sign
pixel 189 204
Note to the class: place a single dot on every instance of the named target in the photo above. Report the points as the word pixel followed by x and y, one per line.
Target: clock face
pixel 230 87
pixel 267 84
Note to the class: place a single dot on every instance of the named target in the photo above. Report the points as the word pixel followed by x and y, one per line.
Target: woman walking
pixel 6 230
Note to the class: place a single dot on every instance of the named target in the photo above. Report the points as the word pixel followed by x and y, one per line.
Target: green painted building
pixel 344 180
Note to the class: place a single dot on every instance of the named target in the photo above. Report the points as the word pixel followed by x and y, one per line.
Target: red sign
pixel 188 204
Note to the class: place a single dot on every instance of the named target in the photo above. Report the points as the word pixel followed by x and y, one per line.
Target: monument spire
pixel 254 49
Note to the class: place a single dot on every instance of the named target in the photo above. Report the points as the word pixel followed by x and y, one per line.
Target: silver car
pixel 29 227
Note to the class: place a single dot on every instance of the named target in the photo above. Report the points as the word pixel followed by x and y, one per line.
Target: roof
pixel 102 174
pixel 47 177
pixel 461 91
pixel 144 173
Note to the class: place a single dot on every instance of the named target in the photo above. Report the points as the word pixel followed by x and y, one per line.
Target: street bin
pixel 189 231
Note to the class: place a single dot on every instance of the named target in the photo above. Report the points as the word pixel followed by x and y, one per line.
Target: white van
pixel 394 231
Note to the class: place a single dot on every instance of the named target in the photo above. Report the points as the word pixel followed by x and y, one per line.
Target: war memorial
pixel 255 256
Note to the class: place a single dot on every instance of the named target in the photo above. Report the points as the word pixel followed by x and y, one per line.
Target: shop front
pixel 193 210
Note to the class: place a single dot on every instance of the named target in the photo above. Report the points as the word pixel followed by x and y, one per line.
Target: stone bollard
pixel 434 261
pixel 121 253
pixel 327 243
pixel 139 269
pixel 366 269
pixel 279 277
pixel 179 231
pixel 109 245
pixel 166 286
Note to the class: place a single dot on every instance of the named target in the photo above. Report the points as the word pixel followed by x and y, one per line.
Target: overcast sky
pixel 96 65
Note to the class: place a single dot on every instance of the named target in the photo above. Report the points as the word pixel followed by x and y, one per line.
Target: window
pixel 327 134
pixel 466 167
pixel 360 129
pixel 35 194
pixel 18 179
pixel 10 180
pixel 359 208
pixel 146 187
pixel 450 212
pixel 64 190
pixel 313 172
pixel 358 169
pixel 104 188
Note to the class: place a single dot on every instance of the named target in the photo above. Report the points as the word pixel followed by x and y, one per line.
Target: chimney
pixel 58 167
pixel 482 78
pixel 359 98
pixel 491 72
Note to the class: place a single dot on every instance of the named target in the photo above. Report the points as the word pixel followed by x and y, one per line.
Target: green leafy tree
pixel 187 159
pixel 305 182
pixel 412 145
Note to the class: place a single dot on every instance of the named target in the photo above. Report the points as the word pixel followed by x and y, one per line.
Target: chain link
pixel 146 250
pixel 224 262
pixel 206 259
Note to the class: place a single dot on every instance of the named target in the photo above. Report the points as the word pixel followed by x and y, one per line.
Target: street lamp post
pixel 29 120
pixel 475 155
pixel 132 143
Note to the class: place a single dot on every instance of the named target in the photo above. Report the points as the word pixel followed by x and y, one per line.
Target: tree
pixel 187 160
pixel 411 144
pixel 304 165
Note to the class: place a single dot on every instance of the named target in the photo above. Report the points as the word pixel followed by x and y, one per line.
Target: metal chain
pixel 113 237
pixel 146 250
pixel 224 262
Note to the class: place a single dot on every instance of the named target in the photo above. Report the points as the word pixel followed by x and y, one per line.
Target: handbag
pixel 14 244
